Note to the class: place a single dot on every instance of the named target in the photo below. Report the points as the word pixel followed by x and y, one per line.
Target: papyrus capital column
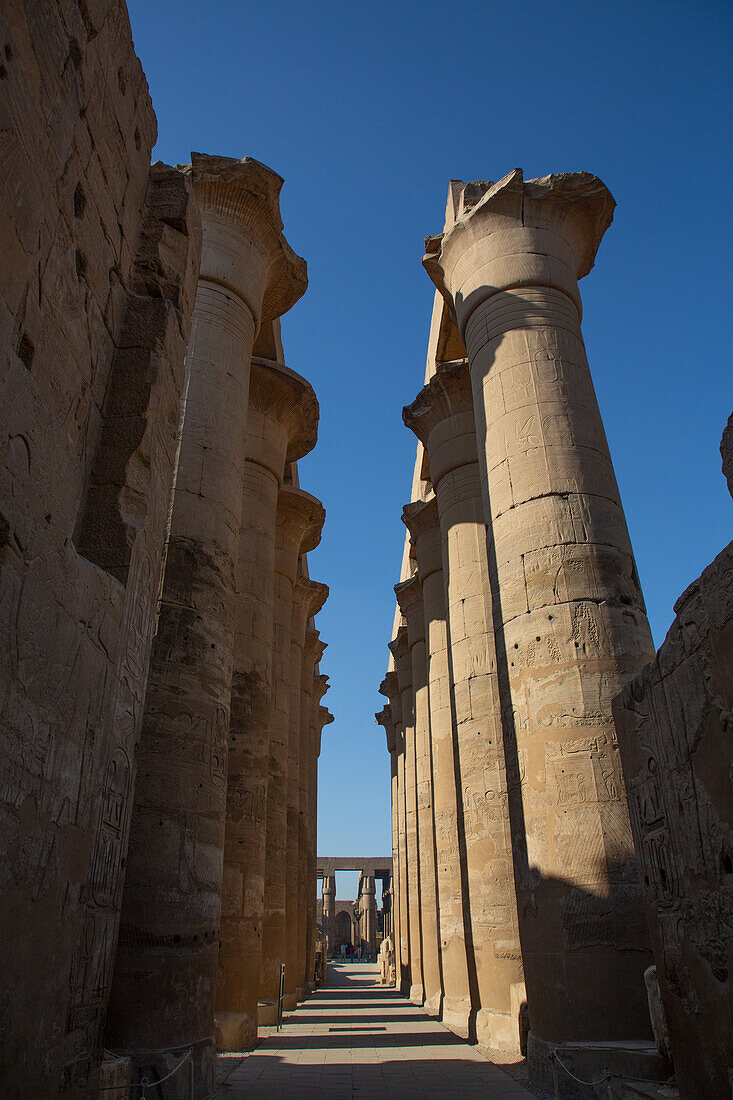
pixel 368 907
pixel 569 619
pixel 410 599
pixel 519 235
pixel 442 417
pixel 308 598
pixel 300 519
pixel 282 427
pixel 313 650
pixel 169 940
pixel 411 980
pixel 422 521
pixel 390 717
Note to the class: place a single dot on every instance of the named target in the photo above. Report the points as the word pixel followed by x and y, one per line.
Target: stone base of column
pixel 195 1077
pixel 548 1064
pixel 457 1017
pixel 235 1030
pixel 266 1013
pixel 417 995
pixel 501 1036
pixel 290 1002
pixel 433 1005
pixel 300 993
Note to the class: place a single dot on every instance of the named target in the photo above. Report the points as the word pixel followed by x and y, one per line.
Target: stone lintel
pixel 556 222
pixel 246 193
pixel 447 395
pixel 278 392
pixel 376 866
pixel 301 516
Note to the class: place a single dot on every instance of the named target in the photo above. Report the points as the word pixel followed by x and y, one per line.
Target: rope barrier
pixel 602 1080
pixel 145 1082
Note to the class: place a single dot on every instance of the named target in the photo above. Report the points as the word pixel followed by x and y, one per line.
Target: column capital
pixel 279 393
pixel 447 395
pixel 313 647
pixel 244 248
pixel 301 516
pixel 389 686
pixel 325 718
pixel 308 599
pixel 320 686
pixel 385 718
pixel 400 649
pixel 519 233
pixel 409 598
pixel 421 516
pixel 423 522
pixel 310 595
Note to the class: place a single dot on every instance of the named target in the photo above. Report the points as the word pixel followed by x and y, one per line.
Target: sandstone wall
pixel 675 729
pixel 100 257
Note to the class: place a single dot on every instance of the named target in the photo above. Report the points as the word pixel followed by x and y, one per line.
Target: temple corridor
pixel 353 1037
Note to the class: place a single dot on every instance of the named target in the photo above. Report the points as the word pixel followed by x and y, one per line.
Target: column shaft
pixel 422 521
pixel 409 595
pixel 400 648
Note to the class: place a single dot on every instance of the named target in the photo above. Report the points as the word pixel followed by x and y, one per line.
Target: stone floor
pixel 355 1038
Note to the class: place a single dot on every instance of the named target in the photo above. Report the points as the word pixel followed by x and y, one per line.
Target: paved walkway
pixel 356 1038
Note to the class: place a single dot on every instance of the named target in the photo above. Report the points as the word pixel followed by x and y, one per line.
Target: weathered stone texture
pixel 100 258
pixel 675 729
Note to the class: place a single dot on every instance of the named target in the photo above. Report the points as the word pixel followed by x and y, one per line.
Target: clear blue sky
pixel 367 110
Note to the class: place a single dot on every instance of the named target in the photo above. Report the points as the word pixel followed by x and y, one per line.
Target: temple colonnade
pixel 519 618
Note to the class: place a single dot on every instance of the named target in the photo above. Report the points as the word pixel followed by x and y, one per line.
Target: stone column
pixel 422 521
pixel 329 903
pixel 368 906
pixel 571 624
pixel 442 418
pixel 389 718
pixel 412 975
pixel 282 428
pixel 312 649
pixel 409 598
pixel 318 688
pixel 169 937
pixel 299 521
pixel 308 598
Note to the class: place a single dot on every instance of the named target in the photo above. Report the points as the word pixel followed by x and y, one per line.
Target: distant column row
pixel 516 892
